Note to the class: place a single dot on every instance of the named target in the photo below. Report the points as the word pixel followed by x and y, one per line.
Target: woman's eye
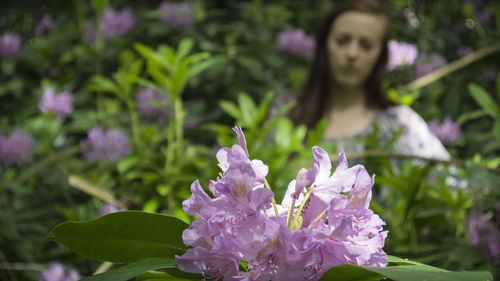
pixel 366 45
pixel 342 40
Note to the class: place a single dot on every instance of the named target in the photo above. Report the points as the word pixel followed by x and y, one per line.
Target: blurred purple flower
pixel 177 15
pixel 15 148
pixel 43 25
pixel 447 132
pixel 116 22
pixel 463 51
pixel 89 32
pixel 57 272
pixel 491 74
pixel 296 42
pixel 484 18
pixel 401 53
pixel 477 3
pixel 10 43
pixel 152 104
pixel 60 104
pixel 428 63
pixel 108 208
pixel 190 125
pixel 484 235
pixel 109 145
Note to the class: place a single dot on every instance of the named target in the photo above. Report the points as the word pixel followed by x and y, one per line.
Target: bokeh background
pixel 108 105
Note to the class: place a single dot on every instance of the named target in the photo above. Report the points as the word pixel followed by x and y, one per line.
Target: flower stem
pixel 317 218
pixel 266 184
pixel 290 213
pixel 308 194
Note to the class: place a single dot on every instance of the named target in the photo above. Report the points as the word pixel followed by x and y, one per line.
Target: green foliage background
pixel 237 73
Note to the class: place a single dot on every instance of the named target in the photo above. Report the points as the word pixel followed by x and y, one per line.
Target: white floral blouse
pixel 416 137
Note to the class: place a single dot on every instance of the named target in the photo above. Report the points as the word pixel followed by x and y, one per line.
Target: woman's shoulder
pixel 416 137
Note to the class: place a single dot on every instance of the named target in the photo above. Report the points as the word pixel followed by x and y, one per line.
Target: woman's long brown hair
pixel 314 99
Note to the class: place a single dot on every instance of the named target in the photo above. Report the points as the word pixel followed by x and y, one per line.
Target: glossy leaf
pixel 123 237
pixel 484 100
pixel 129 271
pixel 349 272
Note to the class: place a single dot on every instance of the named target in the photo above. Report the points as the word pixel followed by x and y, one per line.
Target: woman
pixel 344 84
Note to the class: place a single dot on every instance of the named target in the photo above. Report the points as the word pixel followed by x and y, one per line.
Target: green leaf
pixel 484 99
pixel 129 271
pixel 185 46
pixel 197 68
pixel 496 130
pixel 498 86
pixel 231 109
pixel 248 109
pixel 263 107
pixel 349 272
pixel 123 236
pixel 99 83
pixel 471 115
pixel 126 163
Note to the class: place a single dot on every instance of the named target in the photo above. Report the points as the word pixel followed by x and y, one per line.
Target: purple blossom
pixel 152 105
pixel 108 145
pixel 484 235
pixel 15 148
pixel 315 228
pixel 484 18
pixel 108 208
pixel 401 53
pixel 57 272
pixel 177 15
pixel 296 42
pixel 447 132
pixel 60 104
pixel 428 63
pixel 490 74
pixel 43 25
pixel 89 32
pixel 10 43
pixel 463 51
pixel 116 22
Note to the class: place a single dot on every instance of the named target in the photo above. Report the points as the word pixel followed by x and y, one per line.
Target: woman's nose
pixel 352 50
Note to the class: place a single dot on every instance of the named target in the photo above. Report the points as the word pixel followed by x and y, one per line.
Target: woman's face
pixel 354 45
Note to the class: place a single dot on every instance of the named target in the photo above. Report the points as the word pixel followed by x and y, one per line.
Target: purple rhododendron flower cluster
pixel 177 15
pixel 108 145
pixel 323 221
pixel 152 104
pixel 10 43
pixel 447 132
pixel 108 208
pixel 15 148
pixel 115 23
pixel 60 104
pixel 57 272
pixel 428 63
pixel 43 25
pixel 463 51
pixel 401 53
pixel 484 235
pixel 296 42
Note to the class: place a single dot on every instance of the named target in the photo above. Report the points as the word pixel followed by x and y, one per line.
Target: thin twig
pixel 451 67
pixel 21 266
pixel 105 266
pixel 47 161
pixel 390 154
pixel 89 188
